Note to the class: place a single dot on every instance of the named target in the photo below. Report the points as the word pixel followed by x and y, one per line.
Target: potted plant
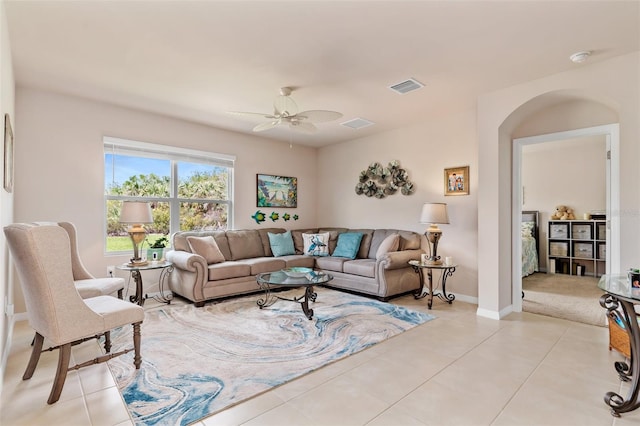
pixel 155 251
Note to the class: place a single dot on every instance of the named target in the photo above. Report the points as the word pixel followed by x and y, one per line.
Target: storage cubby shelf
pixel 577 247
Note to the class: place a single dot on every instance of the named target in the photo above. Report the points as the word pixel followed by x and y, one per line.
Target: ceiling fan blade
pixel 318 116
pixel 285 106
pixel 253 114
pixel 266 126
pixel 303 126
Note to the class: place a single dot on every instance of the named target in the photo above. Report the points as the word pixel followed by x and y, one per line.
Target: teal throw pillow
pixel 348 245
pixel 281 244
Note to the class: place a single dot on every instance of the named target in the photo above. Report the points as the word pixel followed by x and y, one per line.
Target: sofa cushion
pixel 281 244
pixel 316 244
pixel 298 260
pixel 348 245
pixel 408 240
pixel 330 263
pixel 380 234
pixel 298 241
pixel 333 236
pixel 207 248
pixel 245 244
pixel 390 243
pixel 179 241
pixel 361 267
pixel 264 264
pixel 264 237
pixel 365 244
pixel 229 269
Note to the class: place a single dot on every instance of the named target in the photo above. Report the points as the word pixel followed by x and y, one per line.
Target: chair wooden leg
pixel 137 359
pixel 61 373
pixel 107 341
pixel 38 340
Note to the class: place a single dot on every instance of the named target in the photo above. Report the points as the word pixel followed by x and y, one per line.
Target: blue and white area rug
pixel 198 361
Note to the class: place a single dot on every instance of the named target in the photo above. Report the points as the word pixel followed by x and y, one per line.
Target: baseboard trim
pixel 496 315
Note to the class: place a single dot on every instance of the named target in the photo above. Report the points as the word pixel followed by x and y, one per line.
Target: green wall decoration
pixel 259 217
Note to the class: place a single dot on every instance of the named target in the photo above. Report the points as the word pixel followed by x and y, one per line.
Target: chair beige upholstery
pixel 87 284
pixel 55 310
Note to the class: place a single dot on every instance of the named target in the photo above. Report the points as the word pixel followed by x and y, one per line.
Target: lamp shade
pixel 136 212
pixel 434 213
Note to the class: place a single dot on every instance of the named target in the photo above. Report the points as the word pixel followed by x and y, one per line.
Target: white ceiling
pixel 197 60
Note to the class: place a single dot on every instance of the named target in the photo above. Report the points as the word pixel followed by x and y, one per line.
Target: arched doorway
pixel 611 134
pixel 496 291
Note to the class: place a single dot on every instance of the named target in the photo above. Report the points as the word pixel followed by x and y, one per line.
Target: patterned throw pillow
pixel 348 245
pixel 316 244
pixel 281 244
pixel 207 248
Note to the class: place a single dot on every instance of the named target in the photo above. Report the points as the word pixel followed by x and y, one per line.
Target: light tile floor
pixel 459 369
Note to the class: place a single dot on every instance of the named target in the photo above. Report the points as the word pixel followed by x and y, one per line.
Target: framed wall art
pixel 8 154
pixel 456 181
pixel 277 191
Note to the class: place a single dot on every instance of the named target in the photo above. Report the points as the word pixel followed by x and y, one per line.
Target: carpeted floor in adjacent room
pixel 564 296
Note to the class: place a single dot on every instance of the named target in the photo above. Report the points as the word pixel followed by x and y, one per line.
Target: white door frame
pixel 612 134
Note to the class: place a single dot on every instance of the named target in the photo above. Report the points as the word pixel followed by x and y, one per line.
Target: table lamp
pixel 136 213
pixel 434 214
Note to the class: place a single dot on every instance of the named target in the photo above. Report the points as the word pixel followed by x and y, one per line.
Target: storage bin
pixel 583 250
pixel 581 231
pixel 618 337
pixel 558 248
pixel 602 232
pixel 558 230
pixel 602 251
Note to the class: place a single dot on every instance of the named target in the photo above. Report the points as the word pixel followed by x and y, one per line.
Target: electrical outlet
pixel 111 270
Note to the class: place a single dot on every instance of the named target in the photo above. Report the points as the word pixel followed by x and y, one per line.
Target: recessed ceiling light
pixel 580 57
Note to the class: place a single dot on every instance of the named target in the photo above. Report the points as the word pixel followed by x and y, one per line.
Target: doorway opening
pixel 610 133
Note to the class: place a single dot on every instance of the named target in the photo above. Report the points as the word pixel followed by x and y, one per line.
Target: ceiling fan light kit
pixel 285 111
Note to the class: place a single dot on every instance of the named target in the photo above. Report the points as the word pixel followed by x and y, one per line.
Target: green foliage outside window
pixel 196 215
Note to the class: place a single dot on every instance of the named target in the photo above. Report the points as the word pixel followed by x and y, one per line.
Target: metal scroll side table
pixel 136 273
pixel 447 271
pixel 619 302
pixel 268 280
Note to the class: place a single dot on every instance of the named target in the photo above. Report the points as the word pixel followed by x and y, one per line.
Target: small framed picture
pixel 456 181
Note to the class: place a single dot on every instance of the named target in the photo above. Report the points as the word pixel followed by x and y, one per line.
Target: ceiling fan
pixel 285 111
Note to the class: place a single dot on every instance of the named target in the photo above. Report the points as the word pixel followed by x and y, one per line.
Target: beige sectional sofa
pixel 374 271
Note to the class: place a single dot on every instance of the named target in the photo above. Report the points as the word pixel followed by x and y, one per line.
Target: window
pixel 187 189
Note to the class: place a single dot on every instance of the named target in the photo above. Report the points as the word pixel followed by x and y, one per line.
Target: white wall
pixel 614 83
pixel 570 172
pixel 7 95
pixel 424 151
pixel 59 165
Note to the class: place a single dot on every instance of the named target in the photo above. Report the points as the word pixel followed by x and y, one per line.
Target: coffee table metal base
pixel 271 298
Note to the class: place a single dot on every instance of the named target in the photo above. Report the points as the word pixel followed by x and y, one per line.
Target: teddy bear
pixel 563 213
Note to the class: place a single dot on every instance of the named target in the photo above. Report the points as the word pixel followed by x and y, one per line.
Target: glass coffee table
pixel 291 278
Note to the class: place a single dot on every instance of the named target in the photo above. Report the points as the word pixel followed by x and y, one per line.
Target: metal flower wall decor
pixel 378 181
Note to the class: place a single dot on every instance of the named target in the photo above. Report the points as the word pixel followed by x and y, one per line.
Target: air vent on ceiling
pixel 357 123
pixel 406 86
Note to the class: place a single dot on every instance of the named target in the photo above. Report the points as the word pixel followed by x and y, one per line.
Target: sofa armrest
pixel 189 276
pixel 398 259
